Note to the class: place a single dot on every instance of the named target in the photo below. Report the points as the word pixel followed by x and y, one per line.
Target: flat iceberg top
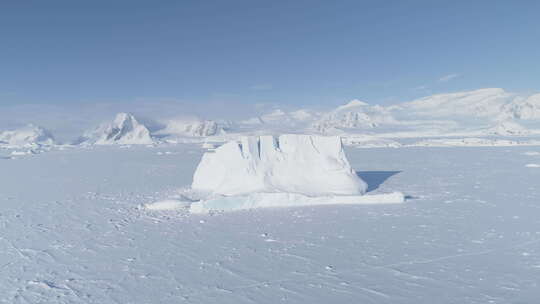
pixel 302 164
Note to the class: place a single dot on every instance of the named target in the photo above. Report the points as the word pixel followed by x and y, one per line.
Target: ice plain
pixel 74 231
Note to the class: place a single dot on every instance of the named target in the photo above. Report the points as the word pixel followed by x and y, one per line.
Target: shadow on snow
pixel 375 178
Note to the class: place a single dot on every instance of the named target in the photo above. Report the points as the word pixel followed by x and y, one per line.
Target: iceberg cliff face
pixel 303 164
pixel 125 130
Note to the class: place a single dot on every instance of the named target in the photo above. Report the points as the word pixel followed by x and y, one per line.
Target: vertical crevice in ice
pixel 313 144
pixel 259 148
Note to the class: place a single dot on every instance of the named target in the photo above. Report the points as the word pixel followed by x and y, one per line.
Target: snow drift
pixel 125 130
pixel 304 164
pixel 273 200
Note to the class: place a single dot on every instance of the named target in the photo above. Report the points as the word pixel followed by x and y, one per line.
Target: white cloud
pixel 448 77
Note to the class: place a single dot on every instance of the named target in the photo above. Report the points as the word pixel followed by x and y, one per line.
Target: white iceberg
pixel 303 164
pixel 259 172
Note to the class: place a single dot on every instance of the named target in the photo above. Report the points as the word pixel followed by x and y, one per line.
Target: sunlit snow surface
pixel 73 231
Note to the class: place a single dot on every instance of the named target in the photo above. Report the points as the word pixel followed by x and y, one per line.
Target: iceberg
pixel 291 170
pixel 263 171
pixel 302 164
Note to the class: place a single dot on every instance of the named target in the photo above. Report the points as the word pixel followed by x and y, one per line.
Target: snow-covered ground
pixel 450 213
pixel 74 231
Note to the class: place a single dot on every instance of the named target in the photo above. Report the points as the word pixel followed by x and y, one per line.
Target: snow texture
pixel 169 204
pixel 73 232
pixel 303 164
pixel 267 200
pixel 473 142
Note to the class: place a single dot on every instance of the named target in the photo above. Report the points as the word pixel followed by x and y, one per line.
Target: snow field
pixel 79 236
pixel 274 200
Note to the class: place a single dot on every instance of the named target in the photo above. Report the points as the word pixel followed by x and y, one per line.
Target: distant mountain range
pixel 484 112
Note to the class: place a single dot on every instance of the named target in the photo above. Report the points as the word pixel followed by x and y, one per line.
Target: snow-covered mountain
pixel 524 108
pixel 433 115
pixel 190 128
pixel 280 117
pixel 491 111
pixel 507 128
pixel 483 112
pixel 478 103
pixel 125 129
pixel 355 114
pixel 26 137
pixel 276 122
pixel 505 114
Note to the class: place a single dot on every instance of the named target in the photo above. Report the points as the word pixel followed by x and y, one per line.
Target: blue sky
pixel 318 53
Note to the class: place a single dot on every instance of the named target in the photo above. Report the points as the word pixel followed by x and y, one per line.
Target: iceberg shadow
pixel 375 178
